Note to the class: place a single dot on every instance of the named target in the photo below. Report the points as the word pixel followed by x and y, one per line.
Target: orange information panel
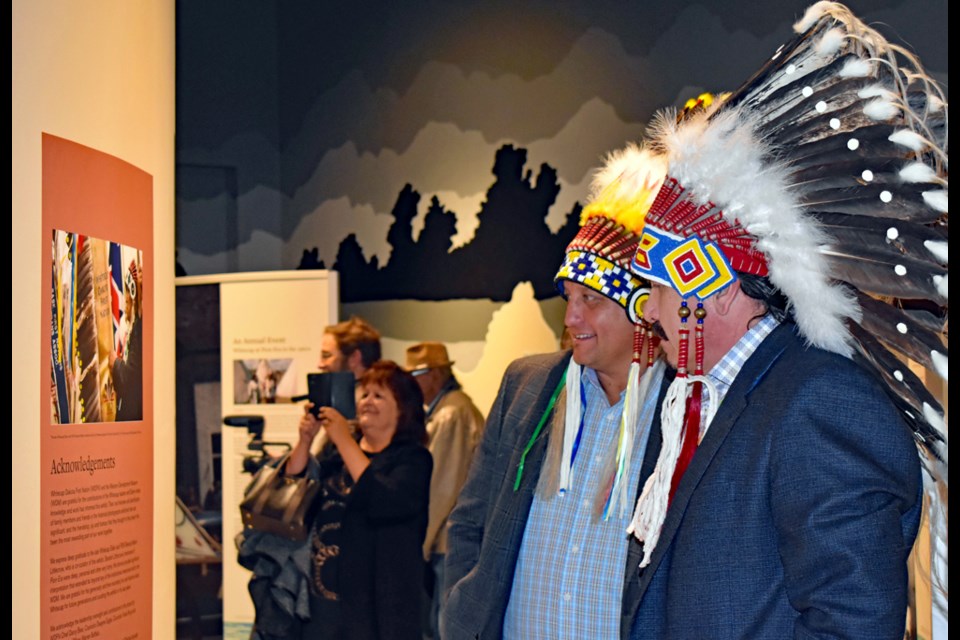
pixel 96 441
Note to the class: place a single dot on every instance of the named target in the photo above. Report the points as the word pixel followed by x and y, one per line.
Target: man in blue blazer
pixel 787 489
pixel 798 510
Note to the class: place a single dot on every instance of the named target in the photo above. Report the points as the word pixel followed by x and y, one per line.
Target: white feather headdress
pixel 856 137
pixel 827 171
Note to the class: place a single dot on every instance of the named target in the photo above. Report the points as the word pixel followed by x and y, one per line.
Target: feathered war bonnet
pixel 599 258
pixel 826 172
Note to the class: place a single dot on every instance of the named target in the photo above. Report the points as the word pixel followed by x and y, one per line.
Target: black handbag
pixel 276 503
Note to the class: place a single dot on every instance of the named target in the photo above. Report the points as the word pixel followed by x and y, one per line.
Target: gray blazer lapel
pixel 530 419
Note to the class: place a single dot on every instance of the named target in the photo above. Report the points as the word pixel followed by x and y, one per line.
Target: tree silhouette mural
pixel 512 244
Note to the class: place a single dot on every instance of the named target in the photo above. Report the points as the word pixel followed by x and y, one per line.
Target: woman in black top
pixel 367 536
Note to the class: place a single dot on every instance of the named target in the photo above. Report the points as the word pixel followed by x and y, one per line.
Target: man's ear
pixel 355 361
pixel 723 300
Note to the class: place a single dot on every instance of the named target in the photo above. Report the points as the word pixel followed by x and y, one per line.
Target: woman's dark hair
pixel 411 418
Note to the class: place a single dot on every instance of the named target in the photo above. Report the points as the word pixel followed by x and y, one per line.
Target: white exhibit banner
pixel 270 329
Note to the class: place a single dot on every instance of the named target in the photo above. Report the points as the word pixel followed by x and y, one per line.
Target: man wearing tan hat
pixel 454 425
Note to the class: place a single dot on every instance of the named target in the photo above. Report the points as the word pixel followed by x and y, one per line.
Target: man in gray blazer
pixel 537 542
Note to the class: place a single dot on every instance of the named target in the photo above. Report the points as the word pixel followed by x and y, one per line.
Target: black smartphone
pixel 333 389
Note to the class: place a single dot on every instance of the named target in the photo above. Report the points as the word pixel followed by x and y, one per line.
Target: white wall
pixel 100 74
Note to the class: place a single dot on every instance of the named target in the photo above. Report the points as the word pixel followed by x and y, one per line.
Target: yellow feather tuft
pixel 623 204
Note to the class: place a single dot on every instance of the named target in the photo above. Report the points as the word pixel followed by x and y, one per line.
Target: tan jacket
pixel 454 429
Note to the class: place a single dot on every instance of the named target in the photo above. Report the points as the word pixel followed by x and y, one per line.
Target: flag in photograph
pixel 116 295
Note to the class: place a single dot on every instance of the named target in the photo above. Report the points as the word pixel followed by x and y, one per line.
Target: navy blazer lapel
pixel 730 409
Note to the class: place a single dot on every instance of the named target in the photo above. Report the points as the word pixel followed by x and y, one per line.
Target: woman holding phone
pixel 365 545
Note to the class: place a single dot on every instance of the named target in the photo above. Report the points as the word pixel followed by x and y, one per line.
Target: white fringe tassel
pixel 571 424
pixel 651 508
pixel 628 429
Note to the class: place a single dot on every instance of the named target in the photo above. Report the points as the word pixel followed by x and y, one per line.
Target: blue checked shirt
pixel 569 576
pixel 724 372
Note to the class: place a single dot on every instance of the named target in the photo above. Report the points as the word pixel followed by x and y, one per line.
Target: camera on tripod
pixel 259 455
